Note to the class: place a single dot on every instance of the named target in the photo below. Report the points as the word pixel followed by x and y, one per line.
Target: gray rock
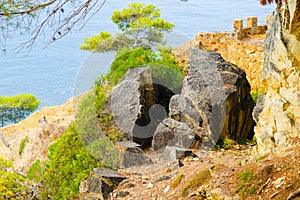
pixel 101 182
pixel 258 107
pixel 133 106
pixel 132 155
pixel 123 194
pixel 215 99
pixel 182 109
pixel 171 132
pixel 163 178
pixel 172 154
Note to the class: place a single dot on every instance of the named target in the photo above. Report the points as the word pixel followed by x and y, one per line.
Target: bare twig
pixel 294 194
pixel 52 14
pixel 22 12
pixel 262 187
pixel 273 195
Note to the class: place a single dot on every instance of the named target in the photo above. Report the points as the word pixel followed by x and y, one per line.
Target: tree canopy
pixel 16 108
pixel 140 26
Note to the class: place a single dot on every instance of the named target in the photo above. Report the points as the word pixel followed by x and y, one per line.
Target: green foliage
pixel 140 26
pixel 35 171
pixel 242 141
pixel 228 143
pixel 163 65
pixel 245 186
pixel 177 181
pixel 104 150
pixel 12 185
pixel 22 145
pixel 93 122
pixel 101 42
pixel 254 95
pixel 240 163
pixel 254 139
pixel 129 59
pixel 69 163
pixel 87 124
pixel 16 108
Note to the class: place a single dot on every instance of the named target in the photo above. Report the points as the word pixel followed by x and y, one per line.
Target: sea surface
pixel 61 70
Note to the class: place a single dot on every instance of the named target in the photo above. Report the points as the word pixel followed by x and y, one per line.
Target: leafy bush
pixel 104 150
pixel 228 143
pixel 35 171
pixel 22 145
pixel 12 185
pixel 177 181
pixel 245 186
pixel 69 163
pixel 87 124
pixel 254 95
pixel 127 58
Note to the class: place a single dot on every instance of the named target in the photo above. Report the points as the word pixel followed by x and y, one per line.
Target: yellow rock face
pixel 42 128
pixel 247 53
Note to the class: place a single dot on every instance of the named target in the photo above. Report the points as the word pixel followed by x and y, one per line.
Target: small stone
pixel 150 185
pixel 167 189
pixel 196 159
pixel 128 185
pixel 145 177
pixel 115 195
pixel 123 194
pixel 278 182
pixel 163 178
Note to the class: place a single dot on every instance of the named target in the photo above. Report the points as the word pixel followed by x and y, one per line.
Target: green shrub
pixel 245 185
pixel 87 124
pixel 22 145
pixel 228 143
pixel 35 171
pixel 254 95
pixel 105 151
pixel 177 181
pixel 69 163
pixel 127 58
pixel 12 185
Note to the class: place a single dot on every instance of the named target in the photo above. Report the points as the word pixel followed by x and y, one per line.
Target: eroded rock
pixel 132 155
pixel 173 133
pixel 100 184
pixel 215 100
pixel 278 122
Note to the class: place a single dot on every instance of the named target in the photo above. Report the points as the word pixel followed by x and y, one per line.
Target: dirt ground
pixel 236 173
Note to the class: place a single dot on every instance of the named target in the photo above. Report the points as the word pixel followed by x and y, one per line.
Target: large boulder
pixel 132 155
pixel 130 104
pixel 141 101
pixel 173 133
pixel 278 113
pixel 215 101
pixel 100 184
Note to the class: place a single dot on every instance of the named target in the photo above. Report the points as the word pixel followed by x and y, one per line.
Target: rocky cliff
pixel 278 112
pixel 36 132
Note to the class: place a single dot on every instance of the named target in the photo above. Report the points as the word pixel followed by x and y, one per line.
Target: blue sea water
pixel 61 70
